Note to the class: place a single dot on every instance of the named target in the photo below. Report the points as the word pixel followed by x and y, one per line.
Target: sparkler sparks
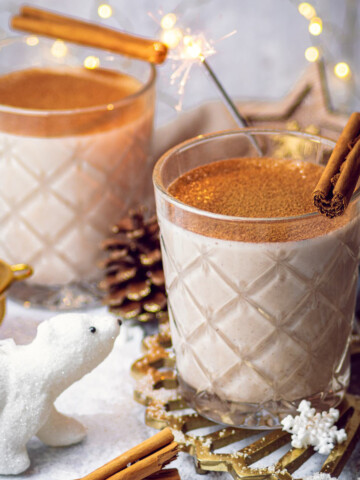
pixel 191 50
pixel 185 50
pixel 188 50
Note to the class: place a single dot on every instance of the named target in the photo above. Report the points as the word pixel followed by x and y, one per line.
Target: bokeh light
pixel 59 49
pixel 342 70
pixel 32 41
pixel 312 54
pixel 104 11
pixel 315 26
pixel 91 62
pixel 307 10
pixel 172 37
pixel 168 21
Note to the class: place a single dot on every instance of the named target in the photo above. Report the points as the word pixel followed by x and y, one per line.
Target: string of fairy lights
pixel 313 53
pixel 172 35
pixel 59 48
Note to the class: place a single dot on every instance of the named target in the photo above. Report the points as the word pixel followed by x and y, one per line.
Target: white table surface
pixel 103 402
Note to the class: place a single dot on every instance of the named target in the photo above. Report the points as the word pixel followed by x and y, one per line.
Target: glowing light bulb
pixel 91 62
pixel 342 70
pixel 168 21
pixel 307 10
pixel 32 41
pixel 105 11
pixel 59 49
pixel 315 26
pixel 312 54
pixel 172 37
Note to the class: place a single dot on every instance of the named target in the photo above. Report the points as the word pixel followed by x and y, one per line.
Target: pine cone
pixel 134 277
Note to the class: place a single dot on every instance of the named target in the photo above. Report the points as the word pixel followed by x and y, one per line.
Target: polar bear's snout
pixel 119 322
pixel 104 326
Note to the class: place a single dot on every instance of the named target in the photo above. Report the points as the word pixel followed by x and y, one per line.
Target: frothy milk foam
pixel 260 319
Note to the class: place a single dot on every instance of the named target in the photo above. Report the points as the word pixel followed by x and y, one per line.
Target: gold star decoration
pixel 308 104
pixel 306 108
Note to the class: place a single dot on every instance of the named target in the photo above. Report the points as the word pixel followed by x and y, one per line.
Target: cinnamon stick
pixel 333 192
pixel 53 25
pixel 148 465
pixel 166 474
pixel 150 446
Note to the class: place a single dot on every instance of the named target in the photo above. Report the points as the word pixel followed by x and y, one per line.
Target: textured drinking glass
pixel 259 321
pixel 67 175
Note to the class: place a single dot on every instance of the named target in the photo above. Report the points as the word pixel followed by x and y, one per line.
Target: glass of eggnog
pixel 261 287
pixel 75 131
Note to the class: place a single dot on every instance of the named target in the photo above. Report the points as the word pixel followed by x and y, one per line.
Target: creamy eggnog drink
pixel 74 158
pixel 261 288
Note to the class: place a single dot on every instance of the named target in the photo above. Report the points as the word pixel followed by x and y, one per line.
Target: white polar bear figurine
pixel 32 376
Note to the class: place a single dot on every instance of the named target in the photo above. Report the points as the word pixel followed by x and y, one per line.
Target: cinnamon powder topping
pixel 67 92
pixel 253 188
pixel 250 187
pixel 64 88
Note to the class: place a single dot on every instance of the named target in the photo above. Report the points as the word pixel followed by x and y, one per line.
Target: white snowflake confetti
pixel 316 429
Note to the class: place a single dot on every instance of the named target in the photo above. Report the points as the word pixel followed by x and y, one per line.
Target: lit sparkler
pixel 189 50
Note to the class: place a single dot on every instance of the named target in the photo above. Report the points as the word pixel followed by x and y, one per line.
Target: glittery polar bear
pixel 32 376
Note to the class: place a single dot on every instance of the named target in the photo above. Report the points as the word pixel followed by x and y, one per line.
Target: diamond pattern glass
pixel 60 208
pixel 73 160
pixel 257 326
pixel 276 340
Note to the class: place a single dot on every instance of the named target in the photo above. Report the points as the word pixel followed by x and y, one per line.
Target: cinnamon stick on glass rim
pixel 144 459
pixel 50 24
pixel 333 192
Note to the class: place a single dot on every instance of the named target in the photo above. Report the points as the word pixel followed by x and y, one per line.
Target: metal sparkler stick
pixel 239 119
